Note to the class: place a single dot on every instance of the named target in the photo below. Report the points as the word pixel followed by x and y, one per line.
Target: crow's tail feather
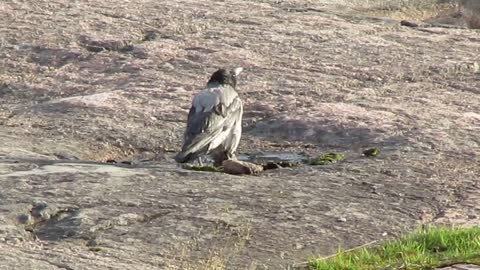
pixel 183 157
pixel 193 150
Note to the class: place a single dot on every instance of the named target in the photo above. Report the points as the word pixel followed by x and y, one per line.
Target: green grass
pixel 326 159
pixel 423 249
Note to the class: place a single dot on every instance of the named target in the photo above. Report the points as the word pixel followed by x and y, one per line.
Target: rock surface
pixel 318 78
pixel 461 267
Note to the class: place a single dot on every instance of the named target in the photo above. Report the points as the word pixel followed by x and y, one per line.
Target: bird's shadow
pixel 323 133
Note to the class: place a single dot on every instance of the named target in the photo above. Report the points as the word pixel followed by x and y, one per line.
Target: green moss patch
pixel 371 152
pixel 326 159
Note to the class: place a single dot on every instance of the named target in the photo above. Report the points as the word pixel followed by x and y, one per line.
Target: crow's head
pixel 225 77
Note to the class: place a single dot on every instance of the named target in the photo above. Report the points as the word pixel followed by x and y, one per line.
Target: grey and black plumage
pixel 214 124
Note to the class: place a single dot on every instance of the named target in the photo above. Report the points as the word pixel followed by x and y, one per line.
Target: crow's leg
pixel 200 162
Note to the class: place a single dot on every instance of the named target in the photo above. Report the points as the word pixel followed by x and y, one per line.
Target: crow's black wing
pixel 204 126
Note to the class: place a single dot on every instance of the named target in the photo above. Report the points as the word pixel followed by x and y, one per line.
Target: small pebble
pixel 341 219
pixel 476 67
pixel 92 243
pixel 168 66
pixel 150 36
pixel 38 210
pixel 25 219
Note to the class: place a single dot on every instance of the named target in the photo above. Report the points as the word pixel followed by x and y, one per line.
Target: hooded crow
pixel 214 124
